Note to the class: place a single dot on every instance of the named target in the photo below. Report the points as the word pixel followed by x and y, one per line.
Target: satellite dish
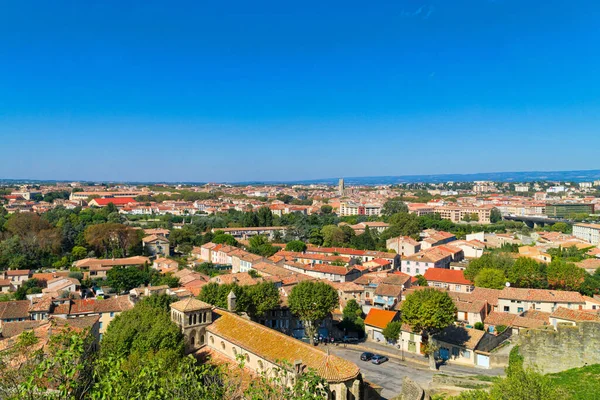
pixel 507 284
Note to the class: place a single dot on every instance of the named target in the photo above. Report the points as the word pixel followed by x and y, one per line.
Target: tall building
pixel 341 187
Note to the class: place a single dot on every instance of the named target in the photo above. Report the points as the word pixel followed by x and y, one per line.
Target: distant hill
pixel 574 176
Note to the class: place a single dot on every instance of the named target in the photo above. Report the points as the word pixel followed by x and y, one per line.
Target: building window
pixel 112 314
pixel 417 270
pixel 234 351
pixel 506 309
pixel 407 269
pixel 223 345
pixel 465 353
pixel 247 357
pixel 260 364
pixel 212 340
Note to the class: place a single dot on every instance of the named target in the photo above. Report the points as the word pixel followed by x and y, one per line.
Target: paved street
pixel 388 375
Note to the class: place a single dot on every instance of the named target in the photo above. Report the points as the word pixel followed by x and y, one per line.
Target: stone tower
pixel 341 187
pixel 231 301
pixel 192 316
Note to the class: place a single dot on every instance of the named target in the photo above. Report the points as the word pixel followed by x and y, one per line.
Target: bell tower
pixel 192 316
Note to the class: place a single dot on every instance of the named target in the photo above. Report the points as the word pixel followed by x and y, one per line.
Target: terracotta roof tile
pixel 276 347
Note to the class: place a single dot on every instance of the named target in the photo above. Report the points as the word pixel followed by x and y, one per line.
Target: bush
pixel 479 326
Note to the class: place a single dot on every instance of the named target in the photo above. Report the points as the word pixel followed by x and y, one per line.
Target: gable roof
pixel 575 315
pixel 380 318
pixel 275 347
pixel 446 275
pixel 541 295
pixel 465 337
pixel 14 309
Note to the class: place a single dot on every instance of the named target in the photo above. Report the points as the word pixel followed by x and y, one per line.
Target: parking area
pixel 388 375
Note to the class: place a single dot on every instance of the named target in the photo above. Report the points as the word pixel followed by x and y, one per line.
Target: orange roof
pixel 446 275
pixel 380 318
pixel 276 347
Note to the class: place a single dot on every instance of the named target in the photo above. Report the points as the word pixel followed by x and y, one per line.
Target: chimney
pixel 231 301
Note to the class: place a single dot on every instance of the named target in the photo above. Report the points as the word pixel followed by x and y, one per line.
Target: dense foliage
pixel 312 302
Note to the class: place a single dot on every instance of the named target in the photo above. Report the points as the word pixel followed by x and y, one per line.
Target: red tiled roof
pixel 446 275
pixel 117 201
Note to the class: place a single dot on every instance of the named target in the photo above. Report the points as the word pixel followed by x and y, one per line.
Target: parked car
pixel 348 339
pixel 379 359
pixel 366 356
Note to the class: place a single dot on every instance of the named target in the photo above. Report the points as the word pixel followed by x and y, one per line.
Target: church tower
pixel 192 316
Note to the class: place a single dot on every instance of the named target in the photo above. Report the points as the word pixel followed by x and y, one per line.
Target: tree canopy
pixel 312 302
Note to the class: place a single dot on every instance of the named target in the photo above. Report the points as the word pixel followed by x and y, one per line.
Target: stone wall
pixel 561 349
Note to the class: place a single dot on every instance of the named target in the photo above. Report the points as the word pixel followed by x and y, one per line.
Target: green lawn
pixel 580 383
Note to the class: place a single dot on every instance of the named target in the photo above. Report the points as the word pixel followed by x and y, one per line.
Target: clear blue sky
pixel 283 90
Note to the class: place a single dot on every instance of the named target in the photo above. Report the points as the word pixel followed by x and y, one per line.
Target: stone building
pixel 263 349
pixel 192 316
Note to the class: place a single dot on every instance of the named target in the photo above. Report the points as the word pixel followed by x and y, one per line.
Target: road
pixel 388 375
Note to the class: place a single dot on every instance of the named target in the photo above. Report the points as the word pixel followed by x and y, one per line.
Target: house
pixel 16 276
pixel 230 336
pixel 156 245
pixel 15 310
pixel 516 323
pixel 471 248
pixel 334 273
pixel 119 202
pixel 535 253
pixel 469 313
pixel 246 233
pixel 165 264
pixel 62 284
pixel 376 321
pixel 376 226
pixel 419 263
pixel 453 280
pixel 432 238
pixel 516 301
pixel 465 346
pixel 572 317
pixel 411 340
pixel 387 296
pixel 377 264
pixel 403 245
pixel 6 286
pixel 97 268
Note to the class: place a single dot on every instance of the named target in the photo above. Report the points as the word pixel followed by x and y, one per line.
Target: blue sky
pixel 239 90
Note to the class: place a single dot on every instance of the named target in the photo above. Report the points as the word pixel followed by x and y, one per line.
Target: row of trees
pixel 493 270
pixel 61 236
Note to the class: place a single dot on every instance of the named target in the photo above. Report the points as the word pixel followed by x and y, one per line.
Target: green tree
pixel 79 252
pixel 224 238
pixel 296 245
pixel 428 311
pixel 326 209
pixel 564 275
pixel 421 281
pixel 123 279
pixel 312 302
pixel 392 330
pixel 146 327
pixel 392 207
pixel 495 216
pixel 490 278
pixel 260 245
pixel 528 273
